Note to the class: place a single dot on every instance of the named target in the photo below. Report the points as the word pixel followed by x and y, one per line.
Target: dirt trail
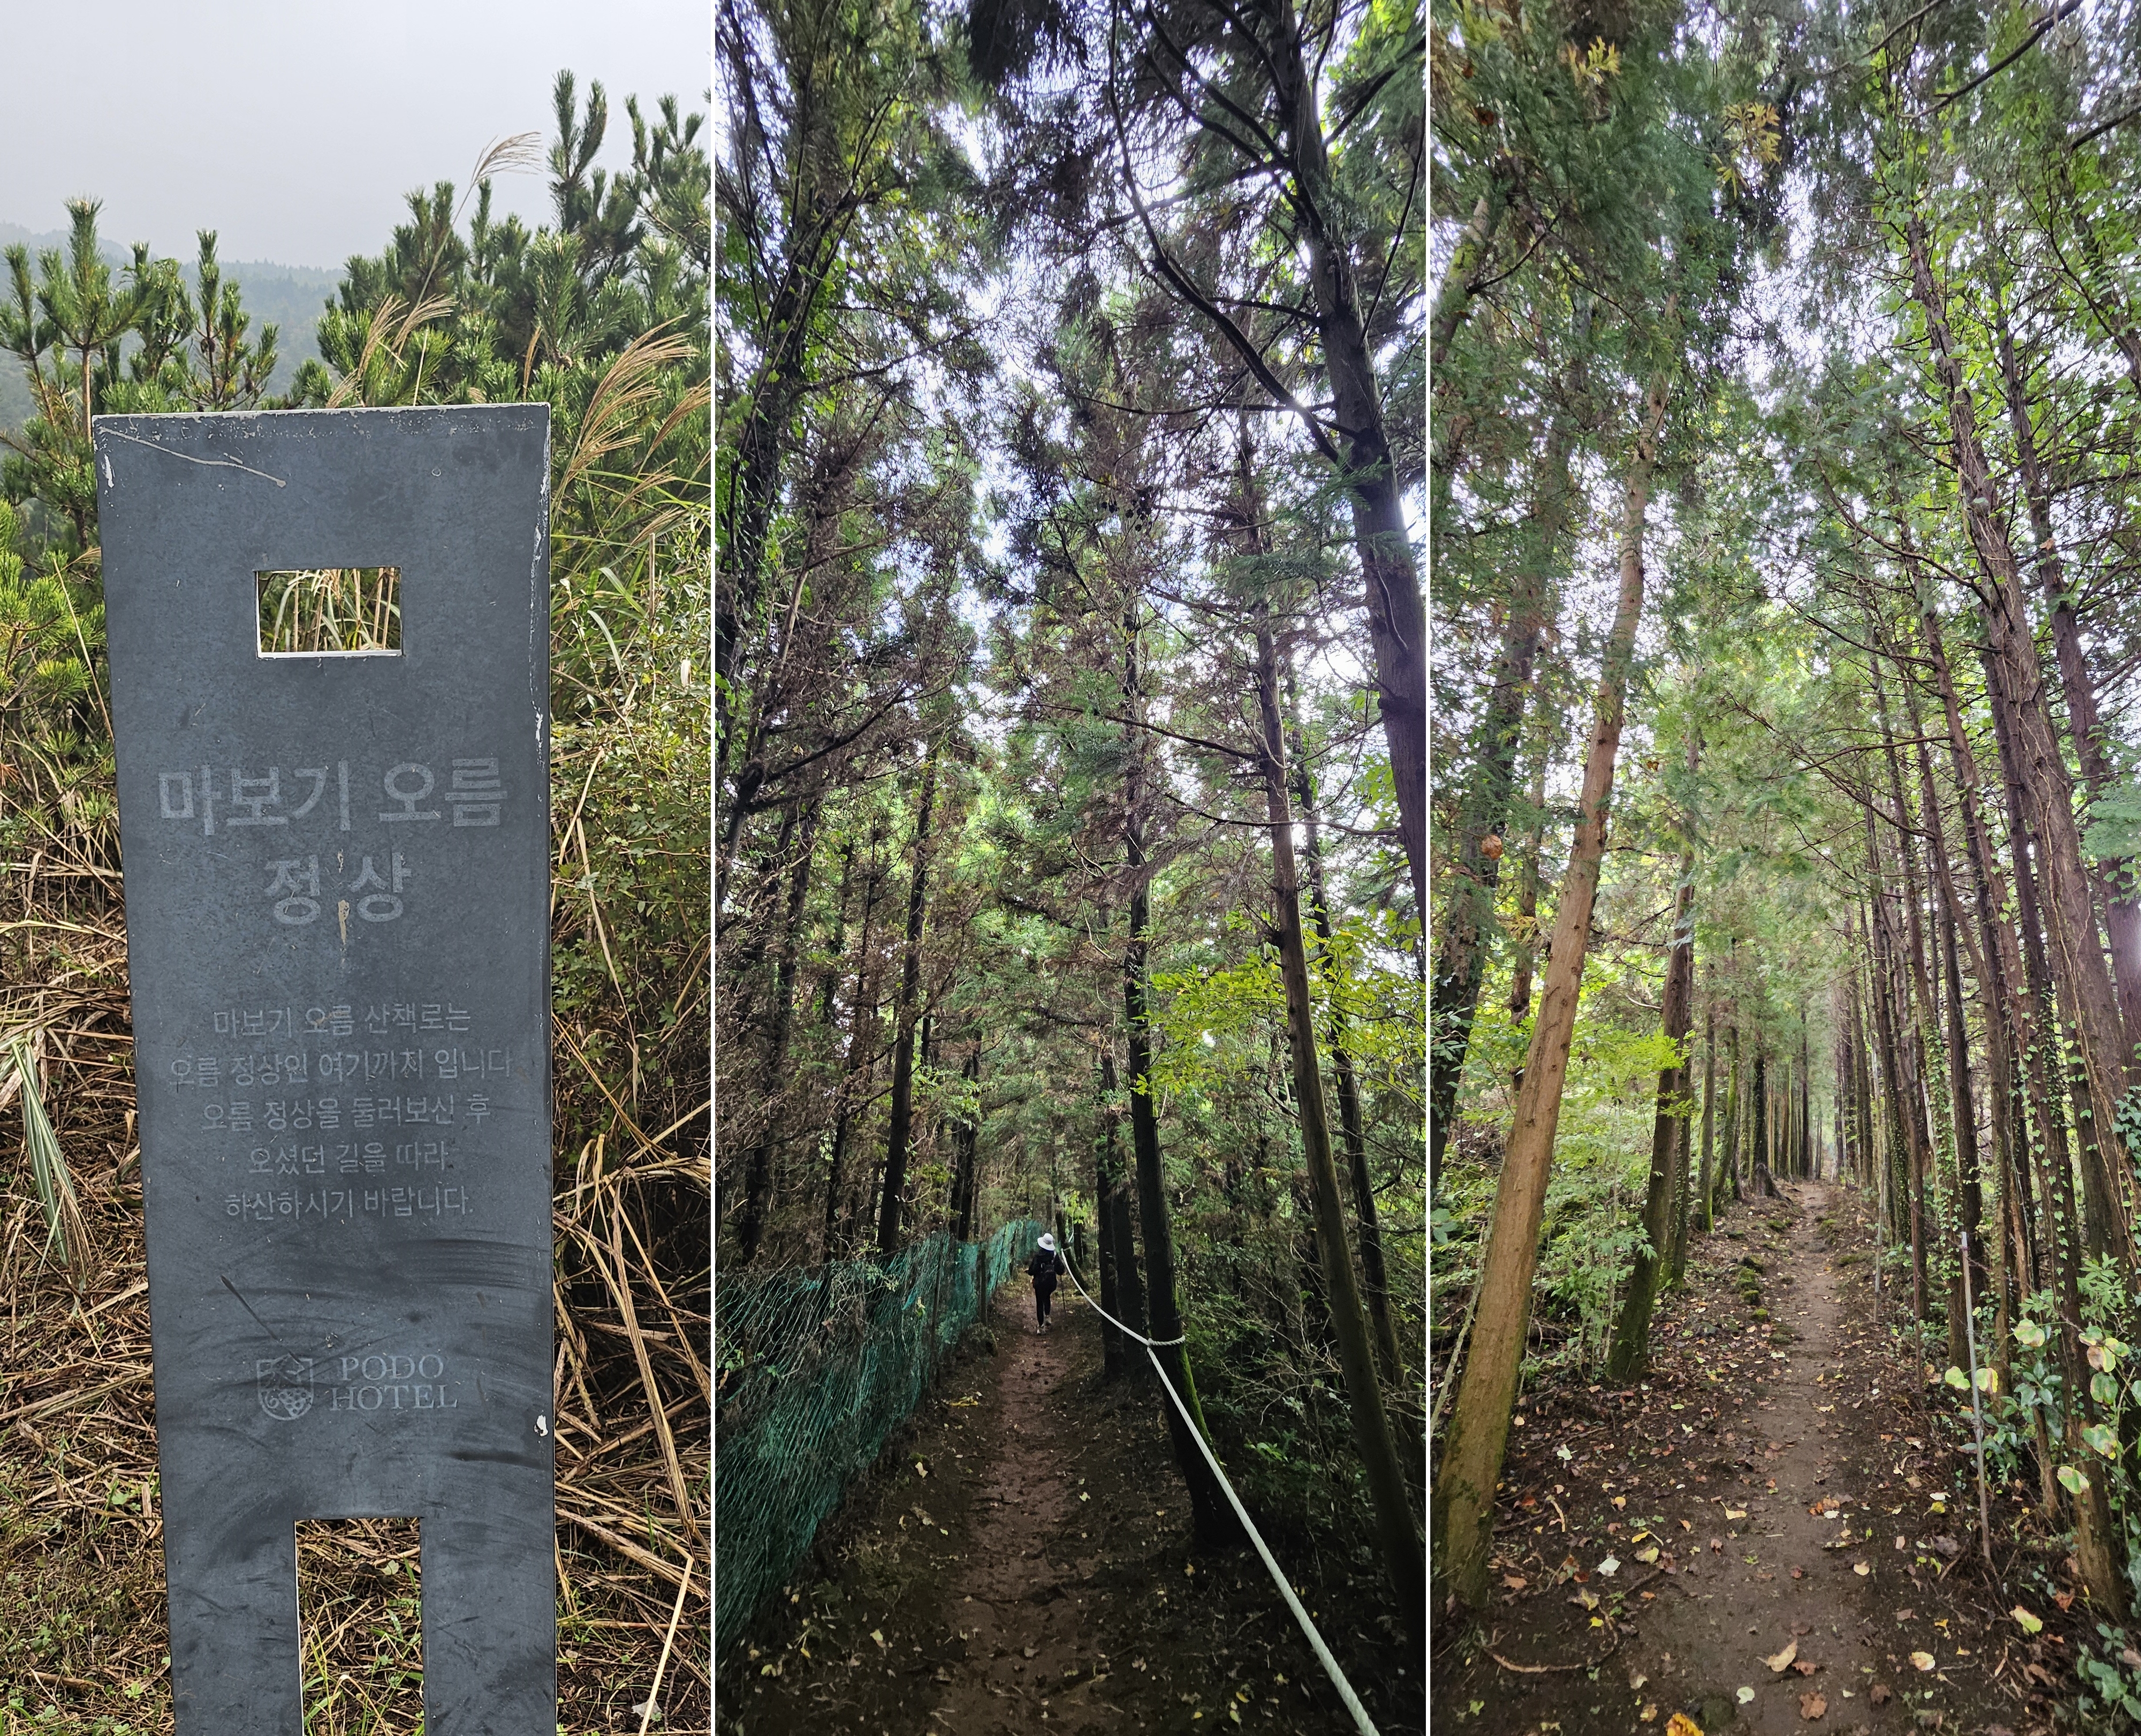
pixel 1755 1499
pixel 1781 1580
pixel 1023 1563
pixel 1018 1616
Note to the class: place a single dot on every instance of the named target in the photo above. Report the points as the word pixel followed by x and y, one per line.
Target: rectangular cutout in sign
pixel 360 1619
pixel 331 612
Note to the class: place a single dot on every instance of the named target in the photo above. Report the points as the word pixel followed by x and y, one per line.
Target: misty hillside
pixel 287 297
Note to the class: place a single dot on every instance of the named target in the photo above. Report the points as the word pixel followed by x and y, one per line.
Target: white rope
pixel 1360 1718
pixel 1110 1318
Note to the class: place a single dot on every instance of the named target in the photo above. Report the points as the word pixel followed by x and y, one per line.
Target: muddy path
pixel 1022 1561
pixel 1763 1535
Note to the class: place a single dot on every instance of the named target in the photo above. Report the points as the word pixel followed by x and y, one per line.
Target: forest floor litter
pixel 1021 1560
pixel 1767 1534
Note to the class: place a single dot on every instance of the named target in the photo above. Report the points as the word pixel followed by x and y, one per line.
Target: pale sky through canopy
pixel 294 127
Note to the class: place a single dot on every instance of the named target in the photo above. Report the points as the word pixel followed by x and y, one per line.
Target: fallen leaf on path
pixel 1735 1513
pixel 1861 1568
pixel 1610 1566
pixel 1880 1694
pixel 1806 1666
pixel 1924 1660
pixel 2030 1624
pixel 1746 1696
pixel 1813 1706
pixel 1783 1660
pixel 1648 1555
pixel 1717 1543
pixel 1514 1582
pixel 1680 1724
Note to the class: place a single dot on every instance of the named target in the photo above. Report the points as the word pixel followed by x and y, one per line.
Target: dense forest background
pixel 1069 727
pixel 1786 384
pixel 603 313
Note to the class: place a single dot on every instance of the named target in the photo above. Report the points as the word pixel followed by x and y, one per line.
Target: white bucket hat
pixel 1049 1243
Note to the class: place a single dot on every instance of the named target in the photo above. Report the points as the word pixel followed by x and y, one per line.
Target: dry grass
pixel 330 609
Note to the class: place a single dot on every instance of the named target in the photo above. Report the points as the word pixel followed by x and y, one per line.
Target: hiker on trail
pixel 1044 1268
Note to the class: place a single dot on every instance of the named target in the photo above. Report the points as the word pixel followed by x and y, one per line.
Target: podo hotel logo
pixel 288 1385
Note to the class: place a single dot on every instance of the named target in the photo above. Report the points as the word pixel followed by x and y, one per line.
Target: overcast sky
pixel 294 127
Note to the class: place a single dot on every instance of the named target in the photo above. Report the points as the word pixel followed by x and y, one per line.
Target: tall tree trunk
pixel 1397 616
pixel 1528 874
pixel 1631 1331
pixel 968 1136
pixel 1764 1182
pixel 1477 1436
pixel 2077 956
pixel 2076 952
pixel 1805 1101
pixel 1469 889
pixel 893 1197
pixel 1374 1278
pixel 759 1187
pixel 1735 1091
pixel 862 1035
pixel 2085 725
pixel 1709 1105
pixel 1115 1212
pixel 1396 1528
pixel 1212 1521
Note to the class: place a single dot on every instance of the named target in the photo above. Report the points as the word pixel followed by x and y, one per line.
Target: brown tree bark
pixel 1464 1499
pixel 1631 1331
pixel 1468 887
pixel 1397 1531
pixel 2077 954
pixel 2085 724
pixel 892 1200
pixel 1704 1190
pixel 862 1035
pixel 1212 1521
pixel 1397 616
pixel 758 1185
pixel 1115 1207
pixel 1528 874
pixel 1374 1274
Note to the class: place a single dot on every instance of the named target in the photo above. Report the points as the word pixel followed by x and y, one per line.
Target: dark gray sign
pixel 338 923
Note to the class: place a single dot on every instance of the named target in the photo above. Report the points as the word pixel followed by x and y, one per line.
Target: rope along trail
pixel 1359 1713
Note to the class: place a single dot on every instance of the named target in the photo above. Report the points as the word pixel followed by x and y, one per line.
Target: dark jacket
pixel 1044 1268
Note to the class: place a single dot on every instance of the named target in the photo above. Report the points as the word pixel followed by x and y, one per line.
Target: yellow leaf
pixel 1924 1660
pixel 1783 1660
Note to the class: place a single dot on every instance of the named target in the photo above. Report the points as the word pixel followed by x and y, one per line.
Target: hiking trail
pixel 1758 1535
pixel 1019 1559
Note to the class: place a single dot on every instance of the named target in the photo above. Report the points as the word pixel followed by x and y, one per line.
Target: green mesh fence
pixel 817 1367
